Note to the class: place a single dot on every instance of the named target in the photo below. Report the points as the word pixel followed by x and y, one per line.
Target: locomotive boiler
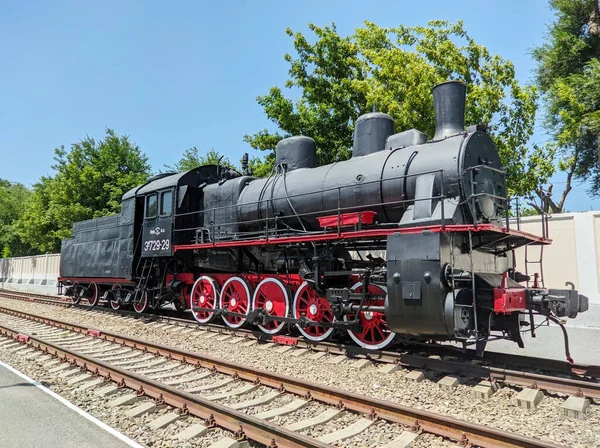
pixel 409 239
pixel 387 169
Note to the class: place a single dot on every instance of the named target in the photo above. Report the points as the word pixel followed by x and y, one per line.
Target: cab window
pixel 151 206
pixel 166 203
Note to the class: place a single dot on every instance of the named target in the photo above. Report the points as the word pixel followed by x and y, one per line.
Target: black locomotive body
pixel 303 248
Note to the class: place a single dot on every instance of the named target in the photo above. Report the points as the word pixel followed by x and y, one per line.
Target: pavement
pixel 32 418
pixel 549 343
pixel 584 340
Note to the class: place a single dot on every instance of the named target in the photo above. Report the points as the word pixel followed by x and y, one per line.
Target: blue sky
pixel 176 74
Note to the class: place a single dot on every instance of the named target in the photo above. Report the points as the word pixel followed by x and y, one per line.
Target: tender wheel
pixel 235 297
pixel 272 295
pixel 143 305
pixel 375 333
pixel 76 297
pixel 205 293
pixel 116 304
pixel 315 308
pixel 94 298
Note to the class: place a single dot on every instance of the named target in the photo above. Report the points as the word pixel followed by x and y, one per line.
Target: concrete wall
pixel 34 274
pixel 573 256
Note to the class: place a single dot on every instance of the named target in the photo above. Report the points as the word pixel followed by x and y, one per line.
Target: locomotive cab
pixel 173 209
pixel 157 230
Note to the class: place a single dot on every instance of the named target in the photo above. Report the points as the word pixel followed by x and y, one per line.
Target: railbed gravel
pixel 500 411
pixel 262 390
pixel 215 377
pixel 276 403
pixel 340 422
pixel 134 428
pixel 313 409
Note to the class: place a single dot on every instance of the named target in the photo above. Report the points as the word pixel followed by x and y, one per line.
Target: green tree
pixel 192 159
pixel 340 78
pixel 89 180
pixel 568 74
pixel 13 197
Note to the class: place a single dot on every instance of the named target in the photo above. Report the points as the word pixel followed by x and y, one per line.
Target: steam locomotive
pixel 303 249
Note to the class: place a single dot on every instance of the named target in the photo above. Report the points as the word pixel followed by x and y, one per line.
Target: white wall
pixel 34 274
pixel 573 256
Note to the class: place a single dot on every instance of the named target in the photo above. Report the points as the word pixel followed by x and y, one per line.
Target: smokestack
pixel 449 108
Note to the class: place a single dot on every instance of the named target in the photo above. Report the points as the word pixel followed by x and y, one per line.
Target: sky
pixel 182 73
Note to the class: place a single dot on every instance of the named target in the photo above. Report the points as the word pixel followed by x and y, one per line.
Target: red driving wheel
pixel 235 297
pixel 205 294
pixel 272 295
pixel 315 308
pixel 375 333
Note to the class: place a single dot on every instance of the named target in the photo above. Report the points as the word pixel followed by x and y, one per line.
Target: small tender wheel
pixel 76 297
pixel 205 294
pixel 235 297
pixel 94 290
pixel 315 308
pixel 143 305
pixel 115 304
pixel 272 295
pixel 375 333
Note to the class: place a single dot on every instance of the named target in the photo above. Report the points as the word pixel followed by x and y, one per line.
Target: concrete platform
pixel 35 417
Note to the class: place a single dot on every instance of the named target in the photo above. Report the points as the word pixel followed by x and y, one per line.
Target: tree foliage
pixel 13 197
pixel 568 74
pixel 340 78
pixel 88 182
pixel 192 159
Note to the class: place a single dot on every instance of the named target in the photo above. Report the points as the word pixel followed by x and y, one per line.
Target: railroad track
pixel 544 374
pixel 166 374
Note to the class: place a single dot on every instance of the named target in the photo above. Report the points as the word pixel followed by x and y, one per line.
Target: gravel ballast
pixel 134 428
pixel 500 411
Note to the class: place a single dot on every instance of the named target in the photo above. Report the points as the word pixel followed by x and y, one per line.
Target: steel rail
pixel 238 422
pixel 405 358
pixel 440 425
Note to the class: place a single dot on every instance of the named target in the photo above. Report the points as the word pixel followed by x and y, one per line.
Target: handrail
pixel 270 225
